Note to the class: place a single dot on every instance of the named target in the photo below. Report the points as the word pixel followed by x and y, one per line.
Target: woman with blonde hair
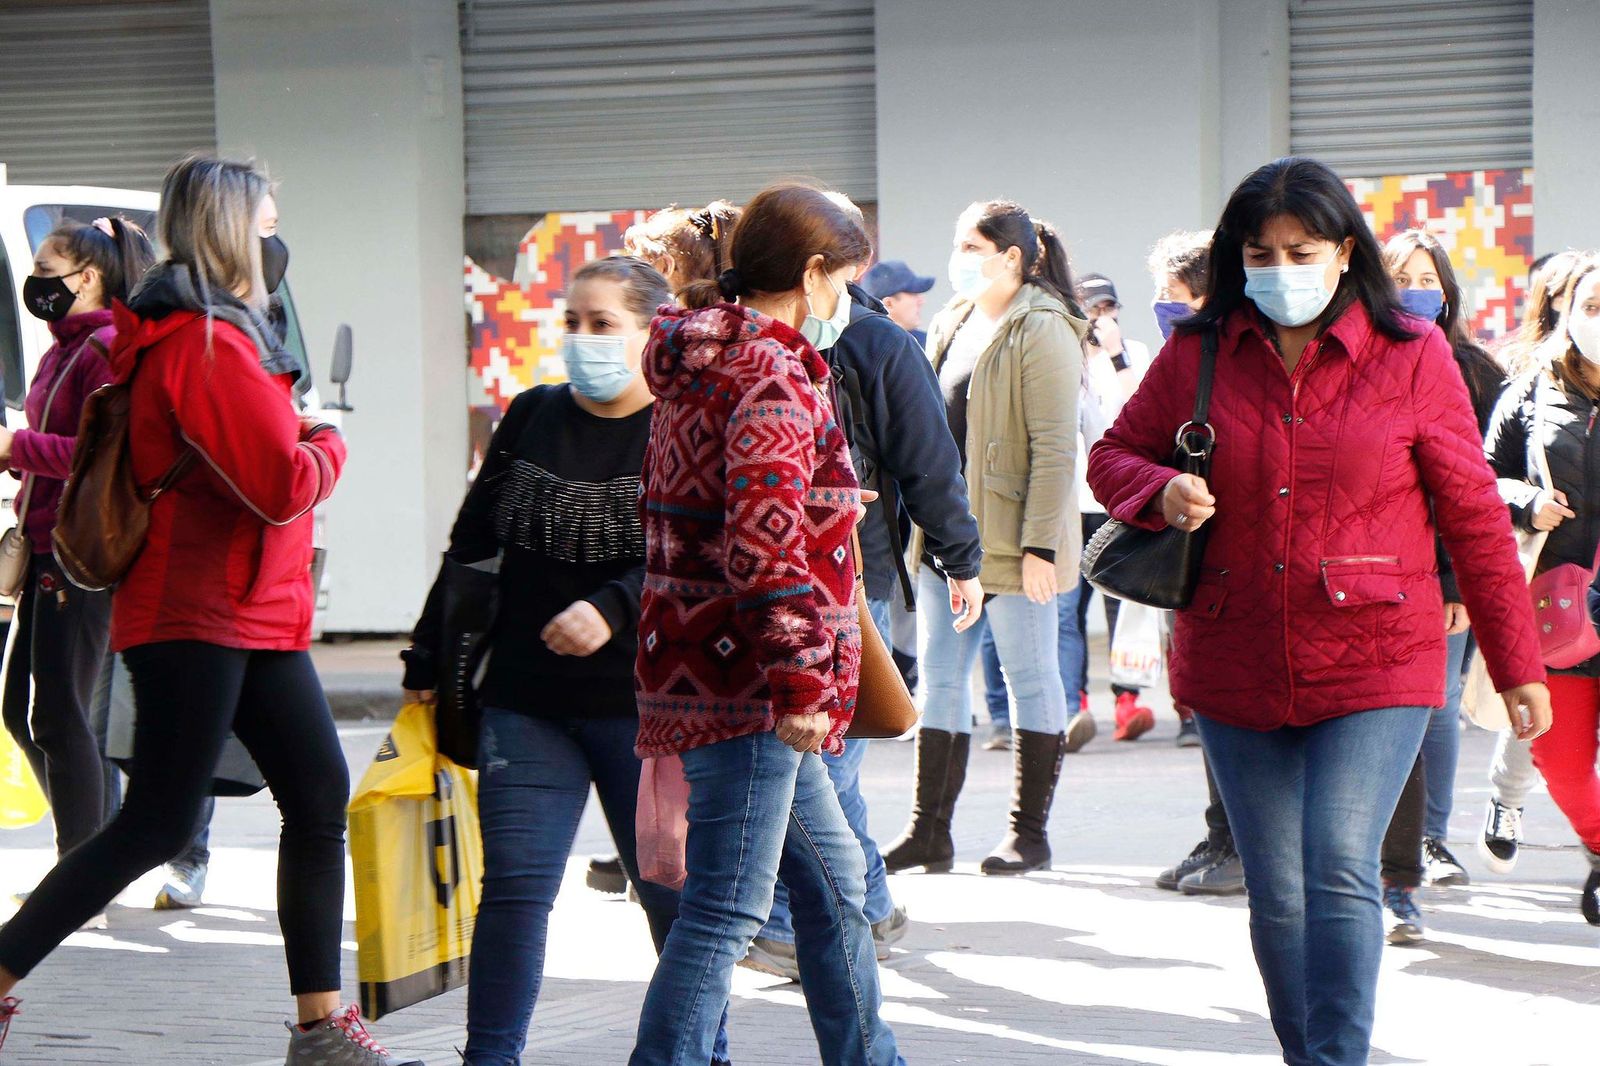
pixel 214 618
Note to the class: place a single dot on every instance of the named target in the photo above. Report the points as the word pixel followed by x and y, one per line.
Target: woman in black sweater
pixel 557 501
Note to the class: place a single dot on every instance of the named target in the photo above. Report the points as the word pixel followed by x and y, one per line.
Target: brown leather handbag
pixel 104 517
pixel 884 708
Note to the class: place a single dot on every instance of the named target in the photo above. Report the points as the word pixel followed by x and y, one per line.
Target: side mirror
pixel 339 372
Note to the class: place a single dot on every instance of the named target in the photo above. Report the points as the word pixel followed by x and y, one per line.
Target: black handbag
pixel 1160 568
pixel 470 601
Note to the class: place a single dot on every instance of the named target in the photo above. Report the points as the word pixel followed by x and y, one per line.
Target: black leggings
pixel 189 695
pixel 55 653
pixel 1402 844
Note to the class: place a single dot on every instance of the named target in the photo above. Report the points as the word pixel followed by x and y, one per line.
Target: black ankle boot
pixel 1038 766
pixel 941 771
pixel 1590 902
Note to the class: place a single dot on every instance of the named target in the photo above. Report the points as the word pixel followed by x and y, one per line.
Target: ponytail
pixel 115 247
pixel 1051 271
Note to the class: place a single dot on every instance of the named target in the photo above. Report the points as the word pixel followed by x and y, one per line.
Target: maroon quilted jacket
pixel 1320 594
pixel 748 500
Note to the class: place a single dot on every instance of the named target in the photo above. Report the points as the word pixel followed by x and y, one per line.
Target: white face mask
pixel 1585 332
pixel 966 273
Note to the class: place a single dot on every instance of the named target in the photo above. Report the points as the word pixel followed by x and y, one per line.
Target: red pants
pixel 1566 754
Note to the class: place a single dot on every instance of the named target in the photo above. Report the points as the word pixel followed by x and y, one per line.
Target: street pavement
pixel 1087 964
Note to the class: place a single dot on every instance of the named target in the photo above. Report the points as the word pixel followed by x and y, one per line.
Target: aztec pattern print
pixel 749 500
pixel 1484 219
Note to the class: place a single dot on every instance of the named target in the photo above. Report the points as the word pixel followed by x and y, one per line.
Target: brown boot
pixel 941 771
pixel 1026 848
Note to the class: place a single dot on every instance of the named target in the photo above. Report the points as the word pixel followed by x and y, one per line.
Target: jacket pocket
pixel 1356 630
pixel 1005 487
pixel 1363 580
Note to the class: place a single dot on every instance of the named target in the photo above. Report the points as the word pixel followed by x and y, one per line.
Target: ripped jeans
pixel 533 782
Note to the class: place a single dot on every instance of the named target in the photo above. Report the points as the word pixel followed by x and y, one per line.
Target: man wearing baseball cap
pixel 900 289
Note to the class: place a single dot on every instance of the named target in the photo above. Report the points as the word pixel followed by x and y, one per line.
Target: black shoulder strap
pixel 1208 370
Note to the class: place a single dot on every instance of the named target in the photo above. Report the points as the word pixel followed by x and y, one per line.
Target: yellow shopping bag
pixel 22 801
pixel 418 863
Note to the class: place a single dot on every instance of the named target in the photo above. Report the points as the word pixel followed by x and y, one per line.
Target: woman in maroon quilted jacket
pixel 749 643
pixel 1315 644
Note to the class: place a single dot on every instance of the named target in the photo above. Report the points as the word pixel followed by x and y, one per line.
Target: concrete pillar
pixel 1253 125
pixel 1566 124
pixel 1105 116
pixel 354 106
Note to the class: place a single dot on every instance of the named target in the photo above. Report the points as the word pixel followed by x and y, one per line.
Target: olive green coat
pixel 1022 435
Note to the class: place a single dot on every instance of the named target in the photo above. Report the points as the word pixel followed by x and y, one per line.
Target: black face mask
pixel 49 298
pixel 274 261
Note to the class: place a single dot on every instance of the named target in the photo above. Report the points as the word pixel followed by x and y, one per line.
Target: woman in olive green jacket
pixel 1008 354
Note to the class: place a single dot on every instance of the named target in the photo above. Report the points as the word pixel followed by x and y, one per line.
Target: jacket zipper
pixel 1301 369
pixel 1360 559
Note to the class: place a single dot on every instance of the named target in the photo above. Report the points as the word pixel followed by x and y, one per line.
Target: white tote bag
pixel 1137 646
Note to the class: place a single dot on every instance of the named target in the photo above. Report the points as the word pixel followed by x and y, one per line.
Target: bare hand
pixel 427 696
pixel 867 496
pixel 1187 503
pixel 6 437
pixel 1528 707
pixel 1107 335
pixel 966 602
pixel 1553 513
pixel 1038 579
pixel 579 630
pixel 1456 621
pixel 804 732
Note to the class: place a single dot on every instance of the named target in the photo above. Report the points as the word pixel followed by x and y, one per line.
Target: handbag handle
pixel 26 496
pixel 1196 438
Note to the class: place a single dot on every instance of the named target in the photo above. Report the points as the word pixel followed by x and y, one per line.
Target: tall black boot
pixel 1026 848
pixel 941 771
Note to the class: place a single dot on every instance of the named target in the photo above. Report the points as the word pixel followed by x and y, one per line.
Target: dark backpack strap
pixel 1208 370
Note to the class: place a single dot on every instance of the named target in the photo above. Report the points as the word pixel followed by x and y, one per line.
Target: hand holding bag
pixel 1160 568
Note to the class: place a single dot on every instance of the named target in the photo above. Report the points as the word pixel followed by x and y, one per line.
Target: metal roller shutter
pixel 104 93
pixel 1402 87
pixel 612 104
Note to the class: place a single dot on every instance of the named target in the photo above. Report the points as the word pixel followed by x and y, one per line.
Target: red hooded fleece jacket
pixel 228 558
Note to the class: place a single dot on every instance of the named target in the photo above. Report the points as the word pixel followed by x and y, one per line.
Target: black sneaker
pixel 606 875
pixel 1590 903
pixel 1502 833
pixel 1225 877
pixel 1439 867
pixel 1203 855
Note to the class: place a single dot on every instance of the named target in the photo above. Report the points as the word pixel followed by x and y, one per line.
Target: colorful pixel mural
pixel 515 326
pixel 1484 219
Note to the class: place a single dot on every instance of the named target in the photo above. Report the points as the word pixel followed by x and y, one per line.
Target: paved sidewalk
pixel 1089 964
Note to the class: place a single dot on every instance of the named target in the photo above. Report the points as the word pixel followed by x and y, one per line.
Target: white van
pixel 28 214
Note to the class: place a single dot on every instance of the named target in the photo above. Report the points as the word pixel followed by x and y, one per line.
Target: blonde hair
pixel 1557 352
pixel 208 223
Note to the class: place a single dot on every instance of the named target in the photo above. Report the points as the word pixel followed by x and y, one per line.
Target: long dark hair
pixel 1312 193
pixel 1484 375
pixel 120 257
pixel 778 233
pixel 1044 257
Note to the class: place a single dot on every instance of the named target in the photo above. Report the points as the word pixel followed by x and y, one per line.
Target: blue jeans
pixel 1441 746
pixel 532 786
pixel 1309 806
pixel 1028 642
pixel 845 772
pixel 758 808
pixel 1072 649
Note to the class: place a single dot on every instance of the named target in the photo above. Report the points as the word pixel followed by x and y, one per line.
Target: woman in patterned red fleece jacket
pixel 749 642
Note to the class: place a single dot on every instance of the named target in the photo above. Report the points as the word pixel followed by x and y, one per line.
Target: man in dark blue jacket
pixel 893 412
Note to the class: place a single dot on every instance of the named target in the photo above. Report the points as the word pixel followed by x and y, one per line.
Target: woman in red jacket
pixel 1316 641
pixel 749 644
pixel 214 619
pixel 59 643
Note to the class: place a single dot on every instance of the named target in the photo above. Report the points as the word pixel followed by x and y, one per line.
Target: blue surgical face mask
pixel 1426 304
pixel 597 366
pixel 966 273
pixel 1289 295
pixel 823 333
pixel 1167 313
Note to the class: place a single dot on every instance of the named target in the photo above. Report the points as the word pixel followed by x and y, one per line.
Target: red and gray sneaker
pixel 10 1007
pixel 340 1040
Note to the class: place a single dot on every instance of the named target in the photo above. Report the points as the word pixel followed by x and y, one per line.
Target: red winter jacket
pixel 748 501
pixel 1320 593
pixel 228 559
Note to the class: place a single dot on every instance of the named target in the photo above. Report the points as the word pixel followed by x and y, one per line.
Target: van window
pixel 12 374
pixel 40 220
